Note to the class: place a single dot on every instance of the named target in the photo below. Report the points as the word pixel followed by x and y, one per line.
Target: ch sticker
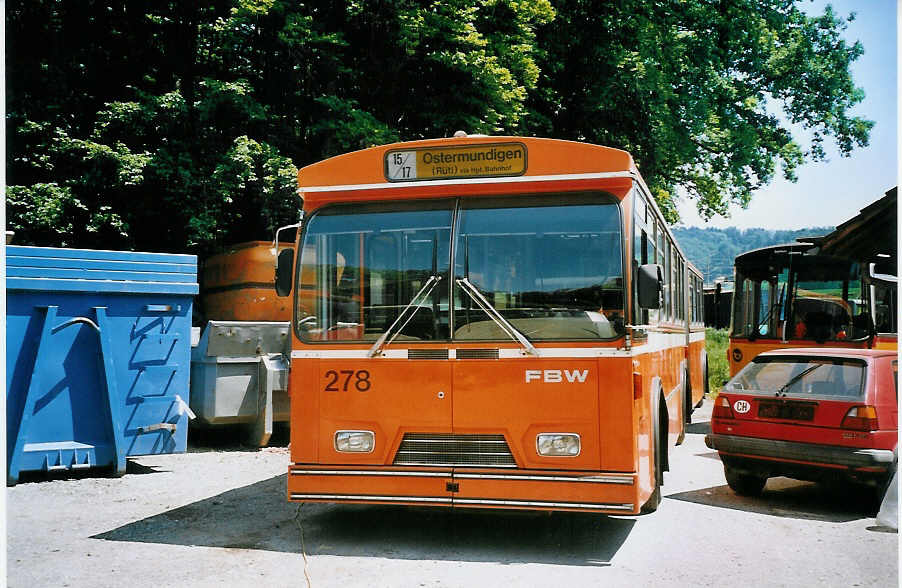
pixel 742 406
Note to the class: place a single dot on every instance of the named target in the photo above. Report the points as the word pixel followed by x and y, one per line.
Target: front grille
pixel 427 354
pixel 449 449
pixel 477 353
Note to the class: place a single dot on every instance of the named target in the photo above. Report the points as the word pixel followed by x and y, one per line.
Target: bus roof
pixel 470 158
pixel 763 254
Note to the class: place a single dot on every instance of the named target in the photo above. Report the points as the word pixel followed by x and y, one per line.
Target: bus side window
pixel 668 267
pixel 654 256
pixel 640 255
pixel 700 302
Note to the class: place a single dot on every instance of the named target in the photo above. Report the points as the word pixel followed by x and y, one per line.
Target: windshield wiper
pixel 381 341
pixel 796 378
pixel 509 329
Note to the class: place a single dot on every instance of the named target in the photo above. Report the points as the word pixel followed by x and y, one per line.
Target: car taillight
pixel 722 408
pixel 860 418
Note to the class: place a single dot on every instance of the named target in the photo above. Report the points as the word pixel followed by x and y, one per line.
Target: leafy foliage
pixel 178 125
pixel 694 90
pixel 47 211
pixel 716 343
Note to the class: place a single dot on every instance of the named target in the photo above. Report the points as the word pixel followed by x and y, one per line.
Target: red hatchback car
pixel 810 414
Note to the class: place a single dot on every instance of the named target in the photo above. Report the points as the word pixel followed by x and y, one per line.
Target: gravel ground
pixel 218 517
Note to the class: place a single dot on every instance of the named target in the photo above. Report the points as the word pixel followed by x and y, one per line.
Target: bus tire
pixel 659 463
pixel 664 439
pixel 688 408
pixel 651 505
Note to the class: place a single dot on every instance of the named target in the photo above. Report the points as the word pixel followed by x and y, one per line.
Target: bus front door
pixel 365 430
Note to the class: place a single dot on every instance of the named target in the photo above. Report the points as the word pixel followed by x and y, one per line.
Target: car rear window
pixel 802 376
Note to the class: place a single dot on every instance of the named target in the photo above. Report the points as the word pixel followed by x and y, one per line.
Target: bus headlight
pixel 354 441
pixel 557 444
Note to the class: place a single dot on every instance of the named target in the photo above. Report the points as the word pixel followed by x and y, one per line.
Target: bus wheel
pixel 688 408
pixel 651 505
pixel 744 484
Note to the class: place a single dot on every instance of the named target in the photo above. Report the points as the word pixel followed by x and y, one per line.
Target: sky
pixel 830 192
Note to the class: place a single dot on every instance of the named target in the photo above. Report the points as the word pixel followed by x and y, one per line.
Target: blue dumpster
pixel 98 349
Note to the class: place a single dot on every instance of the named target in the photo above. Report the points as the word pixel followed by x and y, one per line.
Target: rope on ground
pixel 297 521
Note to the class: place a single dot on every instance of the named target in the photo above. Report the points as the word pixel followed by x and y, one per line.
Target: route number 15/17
pixel 402 165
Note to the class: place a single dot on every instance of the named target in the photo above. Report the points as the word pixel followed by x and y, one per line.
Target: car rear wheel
pixel 744 484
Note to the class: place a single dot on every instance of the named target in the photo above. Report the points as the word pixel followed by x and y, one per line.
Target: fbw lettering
pixel 556 376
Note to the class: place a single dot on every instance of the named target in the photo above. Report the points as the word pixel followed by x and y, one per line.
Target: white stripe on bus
pixel 654 343
pixel 463 181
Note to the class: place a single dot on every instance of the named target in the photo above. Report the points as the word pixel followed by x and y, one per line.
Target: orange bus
pixel 488 322
pixel 794 296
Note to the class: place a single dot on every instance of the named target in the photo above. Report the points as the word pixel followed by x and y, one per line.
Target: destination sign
pixel 465 161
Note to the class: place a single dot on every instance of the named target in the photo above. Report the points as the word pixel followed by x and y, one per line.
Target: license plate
pixel 796 411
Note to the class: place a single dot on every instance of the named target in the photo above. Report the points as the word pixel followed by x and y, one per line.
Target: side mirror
pixel 283 272
pixel 651 285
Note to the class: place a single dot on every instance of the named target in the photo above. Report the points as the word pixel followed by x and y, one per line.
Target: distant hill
pixel 713 250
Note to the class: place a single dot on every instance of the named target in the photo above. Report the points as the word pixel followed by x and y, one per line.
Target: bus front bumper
pixel 614 493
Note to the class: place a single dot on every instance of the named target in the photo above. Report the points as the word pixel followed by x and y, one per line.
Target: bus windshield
pixel 553 270
pixel 551 267
pixel 794 296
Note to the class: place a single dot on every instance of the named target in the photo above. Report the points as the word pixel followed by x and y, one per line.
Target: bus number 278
pixel 361 379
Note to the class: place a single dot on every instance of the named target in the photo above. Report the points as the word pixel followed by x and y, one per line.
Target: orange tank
pixel 238 285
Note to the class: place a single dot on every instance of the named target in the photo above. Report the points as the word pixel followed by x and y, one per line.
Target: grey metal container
pixel 239 375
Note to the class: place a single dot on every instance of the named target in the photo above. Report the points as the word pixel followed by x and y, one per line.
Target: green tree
pixel 178 125
pixel 694 90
